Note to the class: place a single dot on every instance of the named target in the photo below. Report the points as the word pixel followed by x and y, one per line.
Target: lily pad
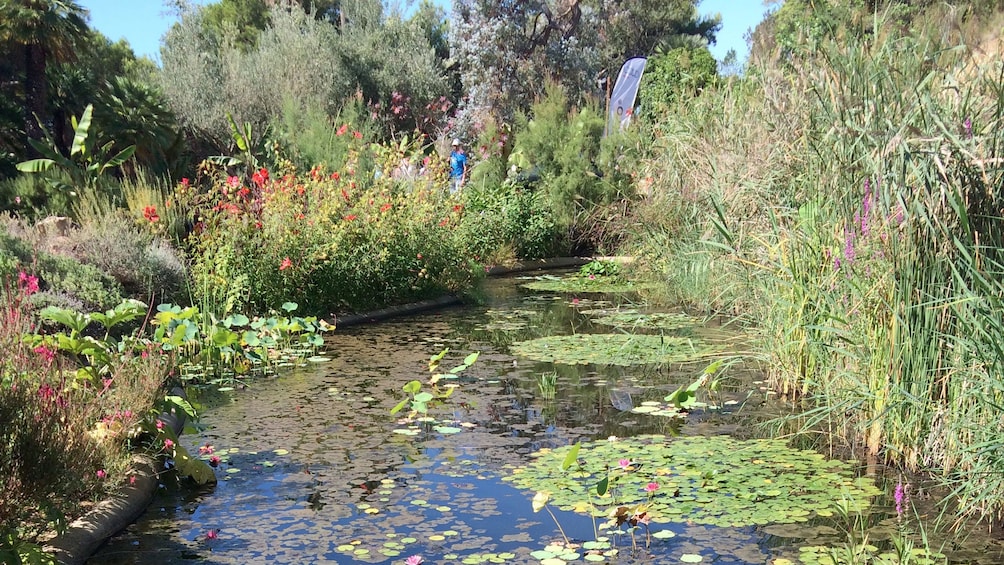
pixel 614 349
pixel 714 480
pixel 654 321
pixel 578 283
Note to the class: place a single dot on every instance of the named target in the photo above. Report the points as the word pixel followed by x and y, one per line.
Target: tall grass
pixel 850 207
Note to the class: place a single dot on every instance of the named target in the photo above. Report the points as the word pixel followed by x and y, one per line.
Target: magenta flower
pixel 159 424
pixel 214 461
pixel 899 495
pixel 102 474
pixel 206 449
pixel 213 534
pixel 414 560
pixel 168 444
pixel 624 463
pixel 45 353
pixel 651 487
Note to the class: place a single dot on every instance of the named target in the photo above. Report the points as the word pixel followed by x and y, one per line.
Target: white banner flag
pixel 624 94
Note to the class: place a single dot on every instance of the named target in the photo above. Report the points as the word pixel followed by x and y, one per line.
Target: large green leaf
pixel 80 131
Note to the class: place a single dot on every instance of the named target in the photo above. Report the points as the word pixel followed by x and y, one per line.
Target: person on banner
pixel 458 167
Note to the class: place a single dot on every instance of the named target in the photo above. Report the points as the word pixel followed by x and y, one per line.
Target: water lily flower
pixel 206 449
pixel 214 461
pixel 213 534
pixel 652 487
pixel 624 464
pixel 414 560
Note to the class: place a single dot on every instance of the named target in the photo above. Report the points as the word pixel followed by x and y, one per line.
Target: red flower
pixel 385 207
pixel 357 135
pixel 260 177
pixel 184 182
pixel 335 175
pixel 457 207
pixel 342 130
pixel 244 192
pixel 443 222
pixel 286 263
pixel 350 217
pixel 150 213
pixel 234 182
pixel 345 195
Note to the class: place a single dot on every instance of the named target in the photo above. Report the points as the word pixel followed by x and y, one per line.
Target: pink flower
pixel 184 182
pixel 102 474
pixel 213 534
pixel 214 461
pixel 27 282
pixel 168 444
pixel 159 424
pixel 234 182
pixel 45 353
pixel 206 449
pixel 357 135
pixel 624 463
pixel 651 487
pixel 342 130
pixel 414 560
pixel 132 479
pixel 286 264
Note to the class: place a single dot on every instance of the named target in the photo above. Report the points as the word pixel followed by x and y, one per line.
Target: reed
pixel 850 206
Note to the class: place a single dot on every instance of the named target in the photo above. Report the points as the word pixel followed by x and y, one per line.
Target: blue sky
pixel 143 22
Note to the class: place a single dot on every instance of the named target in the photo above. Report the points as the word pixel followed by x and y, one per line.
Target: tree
pixel 44 31
pixel 640 28
pixel 507 50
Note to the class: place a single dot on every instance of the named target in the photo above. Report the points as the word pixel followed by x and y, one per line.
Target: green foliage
pixel 219 351
pixel 296 60
pixel 676 76
pixel 857 226
pixel 60 275
pixel 504 219
pixel 420 400
pixel 705 480
pixel 323 239
pixel 563 145
pixel 87 162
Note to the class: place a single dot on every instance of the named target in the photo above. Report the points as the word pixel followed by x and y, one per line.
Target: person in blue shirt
pixel 458 167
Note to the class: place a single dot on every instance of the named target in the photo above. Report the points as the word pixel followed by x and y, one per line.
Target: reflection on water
pixel 315 472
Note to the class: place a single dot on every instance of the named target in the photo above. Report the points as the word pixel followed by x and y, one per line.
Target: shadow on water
pixel 316 469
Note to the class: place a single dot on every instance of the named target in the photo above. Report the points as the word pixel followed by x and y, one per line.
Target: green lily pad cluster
pixel 715 480
pixel 667 321
pixel 664 409
pixel 585 283
pixel 866 553
pixel 614 349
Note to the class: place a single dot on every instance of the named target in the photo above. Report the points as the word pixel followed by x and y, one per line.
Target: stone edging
pixel 86 534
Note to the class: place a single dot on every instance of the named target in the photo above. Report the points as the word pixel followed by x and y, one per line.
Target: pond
pixel 547 451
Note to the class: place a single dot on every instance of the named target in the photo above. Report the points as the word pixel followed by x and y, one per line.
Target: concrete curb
pixel 86 534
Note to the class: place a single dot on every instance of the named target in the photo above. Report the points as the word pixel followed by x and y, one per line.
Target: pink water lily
pixel 414 560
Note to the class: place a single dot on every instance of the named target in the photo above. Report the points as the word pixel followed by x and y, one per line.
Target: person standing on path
pixel 458 167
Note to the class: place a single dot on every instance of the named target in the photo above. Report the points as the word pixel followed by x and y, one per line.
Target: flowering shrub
pixel 62 442
pixel 377 231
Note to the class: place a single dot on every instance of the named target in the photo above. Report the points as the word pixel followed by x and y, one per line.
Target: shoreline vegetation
pixel 840 199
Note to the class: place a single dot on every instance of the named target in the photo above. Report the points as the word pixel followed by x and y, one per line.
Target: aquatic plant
pixel 705 480
pixel 615 349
